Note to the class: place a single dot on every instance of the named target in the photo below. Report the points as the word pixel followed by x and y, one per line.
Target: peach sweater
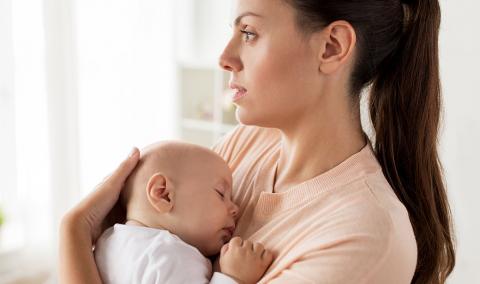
pixel 343 226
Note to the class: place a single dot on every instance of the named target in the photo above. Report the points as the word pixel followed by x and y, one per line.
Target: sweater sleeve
pixel 360 251
pixel 344 263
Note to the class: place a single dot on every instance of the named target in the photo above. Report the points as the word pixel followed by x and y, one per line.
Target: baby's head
pixel 185 189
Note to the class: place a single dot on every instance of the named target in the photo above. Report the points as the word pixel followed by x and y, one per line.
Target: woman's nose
pixel 229 60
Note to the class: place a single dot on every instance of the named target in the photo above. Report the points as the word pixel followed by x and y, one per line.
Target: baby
pixel 179 212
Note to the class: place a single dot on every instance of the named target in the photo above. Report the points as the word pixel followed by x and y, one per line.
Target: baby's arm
pixel 244 261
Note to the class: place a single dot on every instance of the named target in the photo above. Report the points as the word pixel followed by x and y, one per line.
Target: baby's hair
pixel 156 157
pixel 167 157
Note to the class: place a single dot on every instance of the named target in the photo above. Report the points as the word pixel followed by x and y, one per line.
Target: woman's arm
pixel 76 262
pixel 82 225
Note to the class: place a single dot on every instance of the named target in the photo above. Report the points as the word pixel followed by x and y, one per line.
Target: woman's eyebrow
pixel 239 18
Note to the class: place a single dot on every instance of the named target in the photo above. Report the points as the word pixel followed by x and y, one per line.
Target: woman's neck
pixel 310 149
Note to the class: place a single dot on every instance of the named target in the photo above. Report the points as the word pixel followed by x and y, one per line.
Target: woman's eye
pixel 247 35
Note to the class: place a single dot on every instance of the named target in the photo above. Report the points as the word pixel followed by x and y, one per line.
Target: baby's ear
pixel 159 193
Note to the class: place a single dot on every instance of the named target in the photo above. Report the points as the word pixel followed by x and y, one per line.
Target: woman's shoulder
pixel 379 214
pixel 245 140
pixel 367 214
pixel 371 200
pixel 391 224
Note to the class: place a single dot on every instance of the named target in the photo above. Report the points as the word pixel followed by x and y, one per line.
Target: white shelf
pixel 204 115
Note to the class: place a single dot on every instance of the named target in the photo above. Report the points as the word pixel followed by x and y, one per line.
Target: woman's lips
pixel 240 93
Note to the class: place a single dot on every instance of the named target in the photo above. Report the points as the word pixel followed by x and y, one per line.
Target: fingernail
pixel 134 150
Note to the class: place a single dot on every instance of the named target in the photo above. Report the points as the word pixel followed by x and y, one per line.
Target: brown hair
pixel 398 58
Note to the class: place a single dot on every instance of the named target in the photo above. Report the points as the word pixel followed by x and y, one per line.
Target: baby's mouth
pixel 226 239
pixel 230 230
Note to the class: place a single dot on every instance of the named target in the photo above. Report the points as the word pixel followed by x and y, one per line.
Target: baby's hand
pixel 244 261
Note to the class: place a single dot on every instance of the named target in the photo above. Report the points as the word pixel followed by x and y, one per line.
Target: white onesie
pixel 135 254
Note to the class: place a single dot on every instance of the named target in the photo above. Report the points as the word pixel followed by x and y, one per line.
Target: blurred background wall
pixel 81 82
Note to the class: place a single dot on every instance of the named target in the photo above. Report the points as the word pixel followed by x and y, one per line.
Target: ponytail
pixel 405 104
pixel 398 57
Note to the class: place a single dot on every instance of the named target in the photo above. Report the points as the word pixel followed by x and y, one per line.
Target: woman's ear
pixel 337 42
pixel 160 193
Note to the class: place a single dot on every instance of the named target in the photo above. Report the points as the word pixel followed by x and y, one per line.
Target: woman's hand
pixel 84 223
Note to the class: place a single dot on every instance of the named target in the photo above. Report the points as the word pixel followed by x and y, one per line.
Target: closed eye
pixel 221 194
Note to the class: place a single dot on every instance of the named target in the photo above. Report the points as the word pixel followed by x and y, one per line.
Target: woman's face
pixel 275 64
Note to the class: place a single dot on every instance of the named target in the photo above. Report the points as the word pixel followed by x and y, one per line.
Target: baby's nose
pixel 234 210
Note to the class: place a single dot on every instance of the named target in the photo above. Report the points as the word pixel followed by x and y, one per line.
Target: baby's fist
pixel 244 261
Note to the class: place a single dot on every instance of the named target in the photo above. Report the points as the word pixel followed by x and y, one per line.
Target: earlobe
pixel 339 40
pixel 160 193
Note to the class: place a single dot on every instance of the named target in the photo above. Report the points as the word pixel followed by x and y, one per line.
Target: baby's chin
pixel 214 249
pixel 226 239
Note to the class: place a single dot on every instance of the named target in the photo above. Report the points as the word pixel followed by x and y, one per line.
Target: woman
pixel 332 207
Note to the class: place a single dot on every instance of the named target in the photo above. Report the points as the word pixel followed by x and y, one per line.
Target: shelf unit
pixel 206 108
pixel 206 111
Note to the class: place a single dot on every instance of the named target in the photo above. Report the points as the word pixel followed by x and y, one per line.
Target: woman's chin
pixel 246 118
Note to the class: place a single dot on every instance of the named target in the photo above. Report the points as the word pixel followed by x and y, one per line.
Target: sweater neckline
pixel 353 168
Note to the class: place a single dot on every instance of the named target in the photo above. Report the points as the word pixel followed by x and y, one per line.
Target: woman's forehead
pixel 264 10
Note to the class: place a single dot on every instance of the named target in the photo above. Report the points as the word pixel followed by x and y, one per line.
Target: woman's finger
pixel 109 189
pixel 94 208
pixel 118 177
